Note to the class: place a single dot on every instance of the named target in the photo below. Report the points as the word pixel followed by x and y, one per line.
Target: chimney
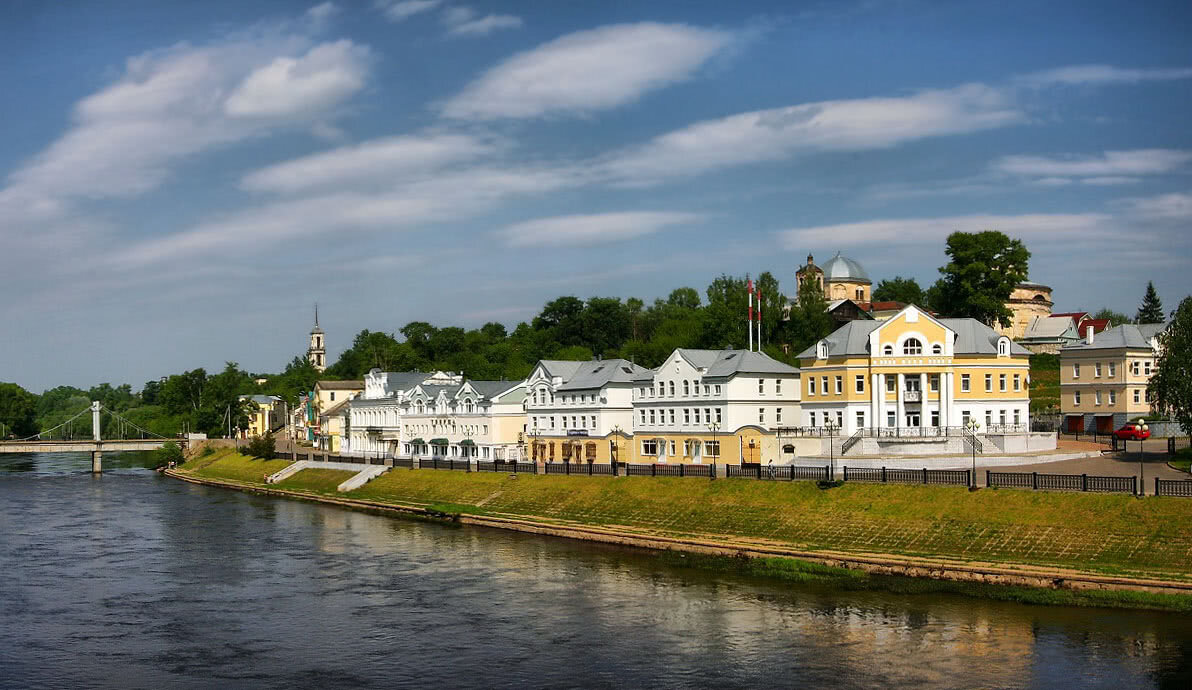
pixel 1088 335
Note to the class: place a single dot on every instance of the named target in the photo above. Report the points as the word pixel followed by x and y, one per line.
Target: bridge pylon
pixel 97 454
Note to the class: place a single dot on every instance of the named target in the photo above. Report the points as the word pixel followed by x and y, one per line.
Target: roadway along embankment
pixel 1050 540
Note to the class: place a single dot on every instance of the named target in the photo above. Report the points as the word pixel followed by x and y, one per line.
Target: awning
pixel 467 442
pixel 417 442
pixel 438 441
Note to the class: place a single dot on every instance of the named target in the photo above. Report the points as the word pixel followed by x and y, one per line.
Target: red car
pixel 1132 432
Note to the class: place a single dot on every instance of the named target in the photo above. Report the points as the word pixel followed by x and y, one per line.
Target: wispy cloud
pixel 598 228
pixel 1176 206
pixel 844 125
pixel 1038 227
pixel 1107 164
pixel 463 21
pixel 322 78
pixel 400 10
pixel 1101 74
pixel 588 71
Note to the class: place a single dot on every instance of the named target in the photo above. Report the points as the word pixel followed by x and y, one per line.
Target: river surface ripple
pixel 136 580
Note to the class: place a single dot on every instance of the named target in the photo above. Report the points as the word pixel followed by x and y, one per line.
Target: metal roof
pixel 726 363
pixel 972 338
pixel 598 373
pixel 843 268
pixel 1127 335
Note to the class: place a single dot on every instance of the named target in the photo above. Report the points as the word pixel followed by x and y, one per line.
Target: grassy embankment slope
pixel 1107 534
pixel 1045 383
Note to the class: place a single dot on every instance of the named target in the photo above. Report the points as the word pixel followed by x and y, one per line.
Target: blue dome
pixel 843 268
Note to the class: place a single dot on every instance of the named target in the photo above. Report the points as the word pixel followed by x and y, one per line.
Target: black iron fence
pixel 1061 482
pixel 590 469
pixel 678 470
pixel 887 475
pixel 1173 487
pixel 778 472
pixel 437 463
pixel 506 466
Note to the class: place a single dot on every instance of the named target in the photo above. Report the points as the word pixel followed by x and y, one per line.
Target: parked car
pixel 1132 432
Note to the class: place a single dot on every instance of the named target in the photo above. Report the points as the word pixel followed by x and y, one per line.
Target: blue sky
pixel 180 182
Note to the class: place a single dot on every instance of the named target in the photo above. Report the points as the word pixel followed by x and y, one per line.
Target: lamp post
pixel 714 427
pixel 831 427
pixel 616 458
pixel 972 426
pixel 1142 428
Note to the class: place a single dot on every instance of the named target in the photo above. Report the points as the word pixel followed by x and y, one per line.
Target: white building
pixel 375 416
pixel 479 420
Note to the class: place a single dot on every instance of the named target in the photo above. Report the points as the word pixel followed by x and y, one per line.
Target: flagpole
pixel 749 289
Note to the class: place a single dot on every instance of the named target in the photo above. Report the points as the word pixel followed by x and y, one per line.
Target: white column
pixel 923 413
pixel 900 405
pixel 881 401
pixel 946 399
pixel 875 400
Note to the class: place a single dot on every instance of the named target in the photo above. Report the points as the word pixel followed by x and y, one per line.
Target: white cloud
pixel 845 125
pixel 1102 74
pixel 1108 164
pixel 1176 206
pixel 404 9
pixel 376 160
pixel 322 78
pixel 599 228
pixel 1052 181
pixel 1110 180
pixel 319 14
pixel 463 21
pixel 1037 227
pixel 588 71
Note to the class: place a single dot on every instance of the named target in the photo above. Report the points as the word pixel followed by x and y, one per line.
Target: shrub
pixel 169 452
pixel 262 447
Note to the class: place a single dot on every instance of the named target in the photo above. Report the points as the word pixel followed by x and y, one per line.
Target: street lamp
pixel 714 427
pixel 617 431
pixel 1142 428
pixel 972 426
pixel 831 427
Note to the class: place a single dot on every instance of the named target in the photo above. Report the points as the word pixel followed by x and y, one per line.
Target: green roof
pixel 418 442
pixel 467 442
pixel 438 441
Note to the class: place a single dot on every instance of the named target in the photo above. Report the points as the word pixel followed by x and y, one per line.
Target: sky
pixel 181 182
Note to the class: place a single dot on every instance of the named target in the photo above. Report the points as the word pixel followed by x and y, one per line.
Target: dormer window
pixel 888 350
pixel 936 349
pixel 1003 347
pixel 912 346
pixel 821 350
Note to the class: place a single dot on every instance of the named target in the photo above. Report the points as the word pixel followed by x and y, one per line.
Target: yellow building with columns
pixel 915 375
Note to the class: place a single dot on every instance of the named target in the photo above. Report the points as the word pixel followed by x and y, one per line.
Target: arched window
pixel 686 387
pixel 888 350
pixel 821 350
pixel 672 389
pixel 937 350
pixel 912 346
pixel 1003 347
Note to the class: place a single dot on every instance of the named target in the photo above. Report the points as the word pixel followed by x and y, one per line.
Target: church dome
pixel 842 268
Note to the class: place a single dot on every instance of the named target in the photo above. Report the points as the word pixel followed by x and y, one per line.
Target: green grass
pixel 1182 460
pixel 1045 389
pixel 317 481
pixel 226 463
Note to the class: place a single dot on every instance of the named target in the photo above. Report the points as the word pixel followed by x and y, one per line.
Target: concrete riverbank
pixel 942 533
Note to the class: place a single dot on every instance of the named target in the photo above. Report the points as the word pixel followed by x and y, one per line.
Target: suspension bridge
pixel 60 439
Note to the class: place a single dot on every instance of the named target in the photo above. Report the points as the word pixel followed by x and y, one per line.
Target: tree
pixel 810 320
pixel 984 269
pixel 1115 318
pixel 18 409
pixel 899 289
pixel 1151 310
pixel 1171 384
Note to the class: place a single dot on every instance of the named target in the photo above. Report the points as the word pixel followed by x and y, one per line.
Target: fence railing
pixel 1173 487
pixel 677 470
pixel 590 469
pixel 852 441
pixel 1061 482
pixel 778 472
pixel 904 476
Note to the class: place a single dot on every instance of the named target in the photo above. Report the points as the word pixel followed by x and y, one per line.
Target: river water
pixel 137 580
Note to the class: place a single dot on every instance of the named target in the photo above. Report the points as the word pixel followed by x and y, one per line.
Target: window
pixel 671 389
pixel 812 417
pixel 649 447
pixel 1097 370
pixel 937 350
pixel 912 346
pixel 1001 382
pixel 671 416
pixel 1134 368
pixel 761 386
pixel 891 421
pixel 707 390
pixel 778 415
pixel 964 383
pixel 1146 368
pixel 696 415
pixel 988 418
pixel 1097 397
pixel 824 384
pixel 777 387
pixel 643 416
pixel 1001 417
pixel 839 419
pixel 761 415
pixel 707 415
pixel 888 350
pixel 718 415
pixel 964 417
pixel 1017 417
pixel 1017 382
pixel 717 389
pixel 890 380
pixel 686 415
pixel 1112 397
pixel 332 396
pixel 1003 348
pixel 564 421
pixel 712 448
pixel 989 383
pixel 860 420
pixel 1076 398
pixel 1076 371
pixel 695 387
pixel 1113 370
pixel 1137 395
pixel 935 418
pixel 839 385
pixel 860 383
pixel 672 447
pixel 810 385
pixel 933 382
pixel 651 416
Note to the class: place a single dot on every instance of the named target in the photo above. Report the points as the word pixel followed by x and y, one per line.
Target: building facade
pixel 476 420
pixel 840 278
pixel 581 411
pixel 268 413
pixel 1104 377
pixel 326 396
pixel 914 372
pixel 1027 301
pixel 705 406
pixel 375 416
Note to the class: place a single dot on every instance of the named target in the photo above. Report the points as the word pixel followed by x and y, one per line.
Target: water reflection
pixel 137 580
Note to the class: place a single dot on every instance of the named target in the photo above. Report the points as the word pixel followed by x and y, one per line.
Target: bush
pixel 207 451
pixel 262 447
pixel 169 452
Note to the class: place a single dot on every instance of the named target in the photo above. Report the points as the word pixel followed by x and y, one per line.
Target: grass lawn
pixel 1182 459
pixel 1045 390
pixel 226 463
pixel 318 481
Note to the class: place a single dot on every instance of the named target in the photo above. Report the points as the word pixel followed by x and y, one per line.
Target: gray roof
pixel 432 391
pixel 725 363
pixel 1127 335
pixel 972 338
pixel 491 389
pixel 403 380
pixel 598 373
pixel 1050 327
pixel 843 268
pixel 262 399
pixel 329 385
pixel 337 410
pixel 563 368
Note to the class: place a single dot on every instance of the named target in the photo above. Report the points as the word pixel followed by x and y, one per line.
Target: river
pixel 137 580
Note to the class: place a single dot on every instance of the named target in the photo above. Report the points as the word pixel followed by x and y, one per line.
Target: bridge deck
pixel 83 446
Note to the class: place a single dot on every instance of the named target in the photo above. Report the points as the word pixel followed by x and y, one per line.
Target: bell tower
pixel 316 354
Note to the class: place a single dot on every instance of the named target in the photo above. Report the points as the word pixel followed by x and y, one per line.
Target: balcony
pixel 912 396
